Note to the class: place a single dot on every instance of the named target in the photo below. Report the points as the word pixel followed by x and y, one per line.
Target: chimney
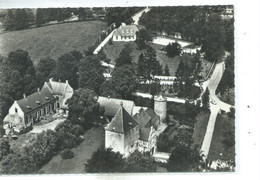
pixel 67 82
pixel 51 79
pixel 108 97
pixel 121 103
pixel 38 89
pixel 24 96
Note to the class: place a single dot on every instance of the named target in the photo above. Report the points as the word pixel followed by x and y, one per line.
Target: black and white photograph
pixel 118 89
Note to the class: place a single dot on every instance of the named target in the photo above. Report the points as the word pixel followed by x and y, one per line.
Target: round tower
pixel 160 107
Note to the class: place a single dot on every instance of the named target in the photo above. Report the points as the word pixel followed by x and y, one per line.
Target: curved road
pixel 212 85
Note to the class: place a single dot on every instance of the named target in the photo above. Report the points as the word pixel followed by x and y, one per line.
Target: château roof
pixel 142 117
pixel 122 123
pixel 35 100
pixel 111 105
pixel 126 30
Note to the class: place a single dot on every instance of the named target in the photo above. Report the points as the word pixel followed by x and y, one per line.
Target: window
pixel 16 110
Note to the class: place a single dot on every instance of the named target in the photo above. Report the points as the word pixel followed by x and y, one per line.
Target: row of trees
pixel 200 24
pixel 17 19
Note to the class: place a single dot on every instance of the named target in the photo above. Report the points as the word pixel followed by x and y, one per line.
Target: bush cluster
pixel 42 148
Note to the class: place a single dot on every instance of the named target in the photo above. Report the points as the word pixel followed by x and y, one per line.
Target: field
pixel 93 139
pixel 217 149
pixel 112 52
pixel 52 41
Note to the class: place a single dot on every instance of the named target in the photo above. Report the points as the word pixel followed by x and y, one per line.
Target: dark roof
pixel 142 117
pixel 123 122
pixel 153 116
pixel 144 134
pixel 111 105
pixel 30 102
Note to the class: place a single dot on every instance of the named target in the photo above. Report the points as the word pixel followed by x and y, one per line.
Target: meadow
pixel 52 41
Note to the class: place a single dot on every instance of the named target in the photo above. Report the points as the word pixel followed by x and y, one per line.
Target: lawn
pixel 93 139
pixel 217 147
pixel 52 41
pixel 112 52
pixel 200 128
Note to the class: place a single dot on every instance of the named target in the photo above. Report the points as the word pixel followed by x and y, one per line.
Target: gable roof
pixel 111 105
pixel 35 100
pixel 127 30
pixel 136 109
pixel 123 122
pixel 142 117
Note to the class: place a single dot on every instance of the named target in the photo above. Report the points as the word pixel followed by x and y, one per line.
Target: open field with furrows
pixel 112 52
pixel 52 41
pixel 93 139
pixel 218 150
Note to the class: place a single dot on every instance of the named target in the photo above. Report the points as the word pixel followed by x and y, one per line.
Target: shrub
pixel 67 154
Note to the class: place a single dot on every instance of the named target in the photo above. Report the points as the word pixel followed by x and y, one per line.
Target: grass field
pixel 93 139
pixel 217 147
pixel 52 41
pixel 200 128
pixel 112 52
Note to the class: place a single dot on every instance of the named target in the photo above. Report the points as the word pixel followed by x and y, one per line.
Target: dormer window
pixel 28 107
pixel 38 102
pixel 47 98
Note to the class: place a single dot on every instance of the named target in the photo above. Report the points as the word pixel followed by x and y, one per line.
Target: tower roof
pixel 123 122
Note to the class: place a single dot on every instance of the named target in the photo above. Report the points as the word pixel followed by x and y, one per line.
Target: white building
pixel 126 33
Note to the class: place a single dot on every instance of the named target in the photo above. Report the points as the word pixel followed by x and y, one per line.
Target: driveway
pixel 51 126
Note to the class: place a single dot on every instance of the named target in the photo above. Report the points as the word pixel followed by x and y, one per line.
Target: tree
pixel 67 69
pixel 140 162
pixel 212 44
pixel 173 49
pixel 166 71
pixel 205 99
pixel 46 66
pixel 19 60
pixel 107 89
pixel 143 36
pixel 105 161
pixel 40 16
pixel 91 73
pixel 124 81
pixel 82 14
pixel 83 107
pixel 125 57
pixel 183 159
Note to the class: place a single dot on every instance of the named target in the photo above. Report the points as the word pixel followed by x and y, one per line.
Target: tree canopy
pixel 105 161
pixel 83 107
pixel 91 73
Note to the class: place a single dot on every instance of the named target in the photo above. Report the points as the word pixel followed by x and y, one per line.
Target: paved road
pixel 137 16
pixel 212 85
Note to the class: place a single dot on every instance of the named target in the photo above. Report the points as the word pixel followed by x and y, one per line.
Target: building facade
pixel 28 110
pixel 125 33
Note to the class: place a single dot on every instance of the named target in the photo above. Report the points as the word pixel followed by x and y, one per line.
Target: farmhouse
pixel 126 33
pixel 132 127
pixel 28 110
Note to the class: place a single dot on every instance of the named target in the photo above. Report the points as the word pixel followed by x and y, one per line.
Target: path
pixel 137 16
pixel 212 85
pixel 103 43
